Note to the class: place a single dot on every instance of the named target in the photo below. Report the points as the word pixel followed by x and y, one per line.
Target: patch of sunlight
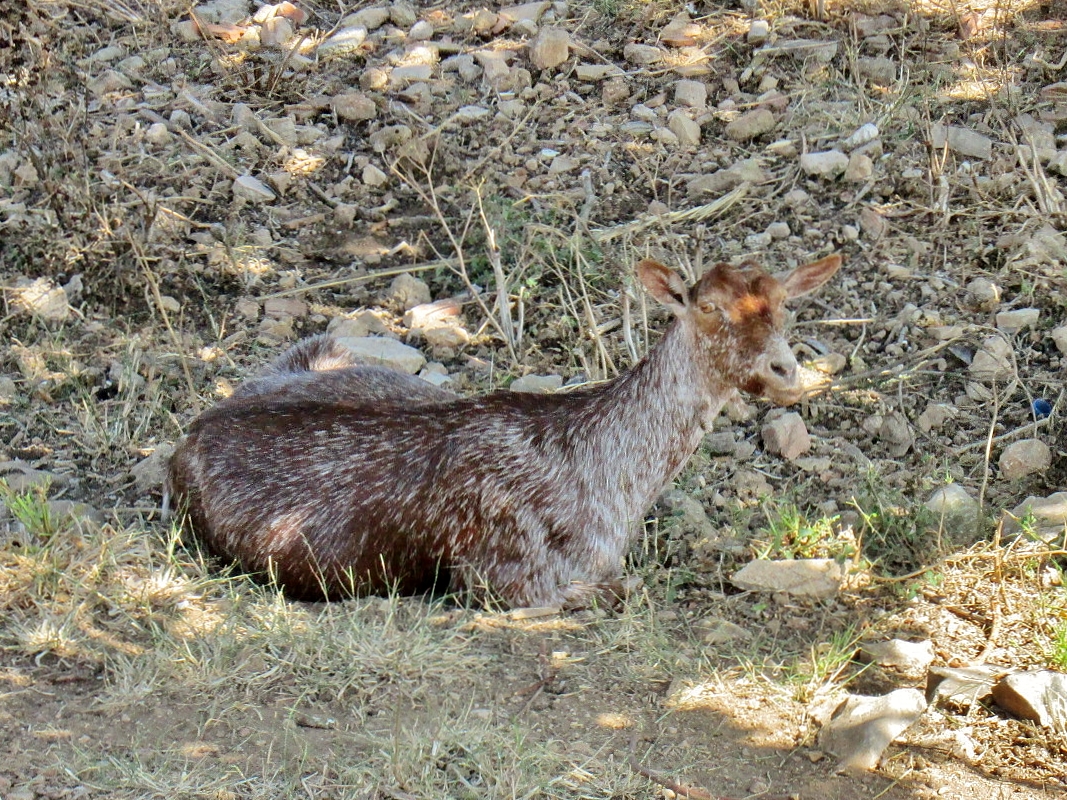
pixel 614 721
pixel 301 162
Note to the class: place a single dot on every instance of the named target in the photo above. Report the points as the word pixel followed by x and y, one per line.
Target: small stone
pixel 383 351
pixel 758 32
pixel 687 131
pixel 353 106
pixel 41 298
pixel 751 124
pixel 374 177
pixel 550 47
pixel 863 135
pixel 1024 457
pixel 75 511
pixel 691 93
pixel 592 73
pixel 407 291
pixel 1014 321
pixel 908 657
pixel 421 31
pixel 642 55
pixel 746 171
pixel 714 630
pixel 403 14
pixel 373 79
pixel 801 577
pixel 442 336
pixel 537 384
pixel 961 140
pixel 8 391
pixel 149 472
pixel 285 308
pixel 1039 695
pixel 429 315
pixel 824 164
pixel 342 42
pixel 962 687
pixel 527 11
pixel 891 429
pixel 786 435
pixel 411 73
pixel 494 68
pixel 872 223
pixel 1048 514
pixel 861 728
pixel 680 31
pixel 157 134
pixel 252 189
pixel 21 477
pixel 365 323
pixel 993 362
pixel 934 416
pixel 276 32
pixel 778 230
pixel 1059 338
pixel 879 70
pixel 369 18
pixel 859 169
pixel 956 511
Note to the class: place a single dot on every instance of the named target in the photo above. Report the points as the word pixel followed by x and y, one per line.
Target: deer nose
pixel 784 370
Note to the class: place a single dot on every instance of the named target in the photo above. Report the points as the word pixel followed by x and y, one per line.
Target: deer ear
pixel 811 276
pixel 664 284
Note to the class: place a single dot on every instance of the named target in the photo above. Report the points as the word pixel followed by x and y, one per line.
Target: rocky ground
pixel 185 192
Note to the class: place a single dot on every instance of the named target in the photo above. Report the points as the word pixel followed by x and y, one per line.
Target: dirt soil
pixel 185 193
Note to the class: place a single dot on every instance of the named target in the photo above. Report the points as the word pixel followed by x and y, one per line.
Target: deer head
pixel 736 315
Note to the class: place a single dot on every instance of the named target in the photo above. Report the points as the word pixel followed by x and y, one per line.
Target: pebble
pixel 344 41
pixel 1014 321
pixel 878 70
pixel 374 177
pixel 1024 457
pixel 373 79
pixel 1059 338
pixel 962 687
pixel 403 14
pixel 908 657
pixel 861 728
pixel 1038 695
pixel 427 315
pixel 687 131
pixel 863 135
pixel 353 106
pixel 447 335
pixel 421 31
pixel 751 124
pixel 407 291
pixel 778 230
pixel 859 169
pixel 383 351
pixel 786 435
pixel 1049 514
pixel 530 11
pixel 758 32
pixel 993 361
pixel 801 577
pixel 642 55
pixel 961 140
pixel 252 189
pixel 824 164
pixel 714 630
pixel 954 508
pixel 537 384
pixel 550 48
pixel 276 32
pixel 693 94
pixel 41 298
pixel 893 430
pixel 369 18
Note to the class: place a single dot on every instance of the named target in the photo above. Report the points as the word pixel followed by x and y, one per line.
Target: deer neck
pixel 651 419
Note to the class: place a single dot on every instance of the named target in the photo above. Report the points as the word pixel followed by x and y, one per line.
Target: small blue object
pixel 1042 408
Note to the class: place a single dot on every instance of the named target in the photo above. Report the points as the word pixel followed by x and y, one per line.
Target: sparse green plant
pixel 1057 656
pixel 825 663
pixel 792 534
pixel 896 534
pixel 31 509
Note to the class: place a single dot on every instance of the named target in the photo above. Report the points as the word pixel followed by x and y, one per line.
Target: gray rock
pixel 74 511
pixel 537 384
pixel 344 41
pixel 41 298
pixel 407 291
pixel 446 335
pixel 592 73
pixel 724 180
pixel 374 177
pixel 148 473
pixel 285 308
pixel 955 509
pixel 893 430
pixel 786 435
pixel 642 55
pixel 252 189
pixel 878 70
pixel 527 11
pixel 780 230
pixel 379 350
pixel 8 391
pixel 714 630
pixel 21 477
pixel 1024 457
pixel 428 315
pixel 863 135
pixel 983 294
pixel 962 687
pixel 362 324
pixel 824 164
pixel 1039 695
pixel 751 124
pixel 687 131
pixel 993 362
pixel 353 106
pixel 1059 338
pixel 1049 515
pixel 908 657
pixel 495 69
pixel 808 577
pixel 691 93
pixel 1014 321
pixel 934 416
pixel 421 31
pixel 403 14
pixel 550 47
pixel 861 728
pixel 860 168
pixel 369 18
pixel 758 32
pixel 961 140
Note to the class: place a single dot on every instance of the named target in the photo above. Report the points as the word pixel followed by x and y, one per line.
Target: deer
pixel 334 479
